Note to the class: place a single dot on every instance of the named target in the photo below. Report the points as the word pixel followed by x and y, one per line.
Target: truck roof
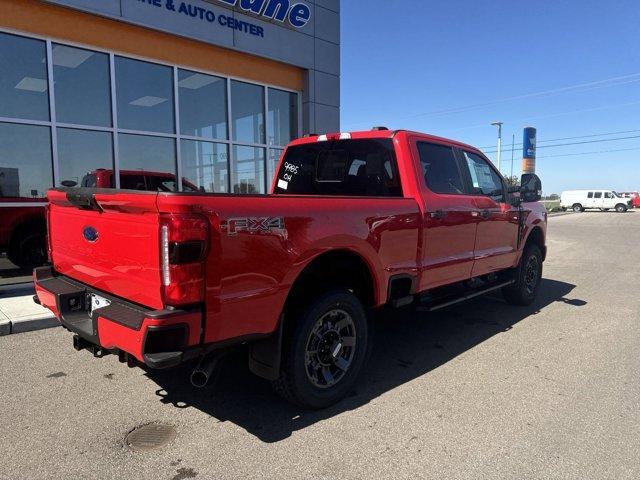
pixel 379 132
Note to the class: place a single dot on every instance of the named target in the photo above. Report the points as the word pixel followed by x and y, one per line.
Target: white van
pixel 580 200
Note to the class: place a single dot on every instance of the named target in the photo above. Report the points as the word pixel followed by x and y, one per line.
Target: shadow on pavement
pixel 407 345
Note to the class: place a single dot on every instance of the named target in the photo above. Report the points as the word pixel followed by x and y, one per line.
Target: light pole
pixel 499 125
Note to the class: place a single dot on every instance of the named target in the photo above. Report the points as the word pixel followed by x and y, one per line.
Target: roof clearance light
pixel 345 136
pixel 323 138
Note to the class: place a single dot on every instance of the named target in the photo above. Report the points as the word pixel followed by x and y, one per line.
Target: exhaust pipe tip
pixel 206 369
pixel 199 378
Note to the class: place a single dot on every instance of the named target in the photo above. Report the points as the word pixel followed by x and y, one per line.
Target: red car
pixel 634 196
pixel 23 231
pixel 135 180
pixel 355 221
pixel 23 227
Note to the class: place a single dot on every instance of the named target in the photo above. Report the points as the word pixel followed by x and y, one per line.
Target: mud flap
pixel 265 355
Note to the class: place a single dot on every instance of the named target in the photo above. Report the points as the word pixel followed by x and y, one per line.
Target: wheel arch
pixel 537 237
pixel 339 268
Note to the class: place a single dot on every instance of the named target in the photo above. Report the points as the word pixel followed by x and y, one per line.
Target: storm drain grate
pixel 150 437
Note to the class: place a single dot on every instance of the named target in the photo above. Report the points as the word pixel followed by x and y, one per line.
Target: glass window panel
pixel 145 96
pixel 248 170
pixel 205 166
pixel 283 117
pixel 82 86
pixel 25 161
pixel 272 163
pixel 147 163
pixel 203 105
pixel 247 109
pixel 24 91
pixel 81 154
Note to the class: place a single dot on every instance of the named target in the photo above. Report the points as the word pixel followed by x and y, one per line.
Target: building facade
pixel 137 93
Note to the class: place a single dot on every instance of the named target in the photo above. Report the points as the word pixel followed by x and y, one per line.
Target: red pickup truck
pixel 355 221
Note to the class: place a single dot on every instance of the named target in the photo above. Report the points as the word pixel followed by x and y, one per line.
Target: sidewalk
pixel 19 313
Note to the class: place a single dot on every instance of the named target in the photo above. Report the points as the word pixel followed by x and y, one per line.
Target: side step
pixel 477 293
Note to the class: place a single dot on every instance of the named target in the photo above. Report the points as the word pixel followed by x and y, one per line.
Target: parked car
pixel 605 200
pixel 634 196
pixel 355 221
pixel 135 180
pixel 23 231
pixel 23 227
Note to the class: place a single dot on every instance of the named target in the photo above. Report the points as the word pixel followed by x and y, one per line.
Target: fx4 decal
pixel 253 225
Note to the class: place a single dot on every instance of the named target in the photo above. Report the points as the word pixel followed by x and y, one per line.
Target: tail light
pixel 183 250
pixel 47 214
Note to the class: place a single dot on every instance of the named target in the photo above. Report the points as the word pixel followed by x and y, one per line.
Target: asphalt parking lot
pixel 482 390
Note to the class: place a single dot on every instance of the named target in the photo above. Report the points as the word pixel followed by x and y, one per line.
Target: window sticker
pixel 283 184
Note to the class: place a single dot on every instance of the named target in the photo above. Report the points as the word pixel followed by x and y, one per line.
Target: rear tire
pixel 528 278
pixel 326 351
pixel 28 250
pixel 620 208
pixel 578 208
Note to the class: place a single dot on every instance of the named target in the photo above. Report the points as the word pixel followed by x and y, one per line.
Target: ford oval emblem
pixel 90 234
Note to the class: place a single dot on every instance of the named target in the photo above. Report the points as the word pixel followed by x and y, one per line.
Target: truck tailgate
pixel 108 240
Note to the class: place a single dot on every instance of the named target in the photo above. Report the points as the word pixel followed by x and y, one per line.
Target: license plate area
pixel 96 302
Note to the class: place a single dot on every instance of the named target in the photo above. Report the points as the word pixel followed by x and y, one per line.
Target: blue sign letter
pixel 254 6
pixel 299 15
pixel 277 9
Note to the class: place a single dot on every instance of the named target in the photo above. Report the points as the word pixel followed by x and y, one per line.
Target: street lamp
pixel 499 125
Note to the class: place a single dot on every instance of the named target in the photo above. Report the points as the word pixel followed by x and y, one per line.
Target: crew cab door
pixel 496 246
pixel 449 215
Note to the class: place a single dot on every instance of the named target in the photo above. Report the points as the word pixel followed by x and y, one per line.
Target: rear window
pixel 361 168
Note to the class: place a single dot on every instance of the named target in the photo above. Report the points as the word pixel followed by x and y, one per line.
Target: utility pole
pixel 513 151
pixel 499 125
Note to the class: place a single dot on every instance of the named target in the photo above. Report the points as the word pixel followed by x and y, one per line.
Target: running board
pixel 464 298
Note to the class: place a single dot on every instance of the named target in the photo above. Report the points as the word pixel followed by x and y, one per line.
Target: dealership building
pixel 137 93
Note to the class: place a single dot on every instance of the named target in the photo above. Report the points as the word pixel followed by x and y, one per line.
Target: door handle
pixel 438 214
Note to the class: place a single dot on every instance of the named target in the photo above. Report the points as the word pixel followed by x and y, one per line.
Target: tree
pixel 513 181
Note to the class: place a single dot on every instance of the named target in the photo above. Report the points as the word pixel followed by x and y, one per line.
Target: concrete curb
pixel 33 324
pixel 23 325
pixel 15 314
pixel 16 289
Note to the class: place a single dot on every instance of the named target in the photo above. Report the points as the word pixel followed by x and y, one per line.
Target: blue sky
pixel 570 68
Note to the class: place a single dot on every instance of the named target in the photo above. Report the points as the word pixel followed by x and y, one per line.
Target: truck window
pixel 590 195
pixel 359 168
pixel 132 182
pixel 440 168
pixel 608 195
pixel 484 179
pixel 598 195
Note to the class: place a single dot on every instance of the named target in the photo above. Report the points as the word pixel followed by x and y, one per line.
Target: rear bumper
pixel 157 338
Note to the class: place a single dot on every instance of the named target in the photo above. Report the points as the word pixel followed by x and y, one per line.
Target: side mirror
pixel 68 183
pixel 530 188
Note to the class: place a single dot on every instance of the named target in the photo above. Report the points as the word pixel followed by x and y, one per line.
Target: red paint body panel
pixel 248 273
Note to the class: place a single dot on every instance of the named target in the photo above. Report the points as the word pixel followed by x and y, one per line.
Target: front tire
pixel 621 208
pixel 578 208
pixel 325 352
pixel 529 275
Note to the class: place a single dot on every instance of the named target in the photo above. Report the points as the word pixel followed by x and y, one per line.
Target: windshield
pixel 617 195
